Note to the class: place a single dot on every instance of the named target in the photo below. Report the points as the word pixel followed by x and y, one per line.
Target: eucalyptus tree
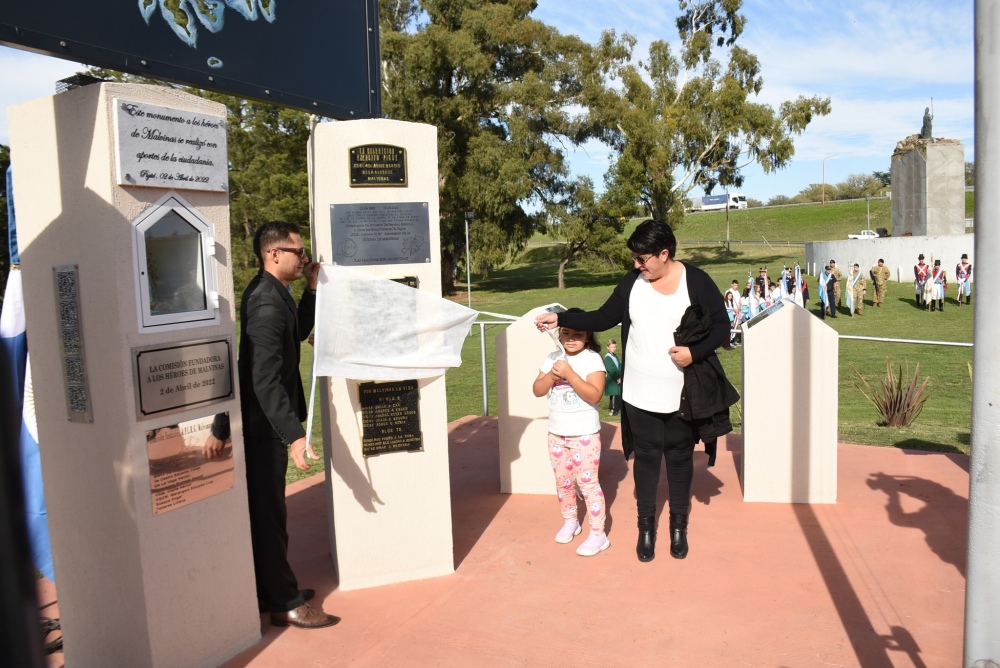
pixel 688 118
pixel 500 87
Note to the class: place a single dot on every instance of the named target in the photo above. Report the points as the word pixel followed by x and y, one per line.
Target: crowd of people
pixel 761 293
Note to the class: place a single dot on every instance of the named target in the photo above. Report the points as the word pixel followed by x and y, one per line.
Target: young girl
pixel 575 384
pixel 734 316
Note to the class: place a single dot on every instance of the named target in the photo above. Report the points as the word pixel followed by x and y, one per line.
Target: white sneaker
pixel 570 529
pixel 596 542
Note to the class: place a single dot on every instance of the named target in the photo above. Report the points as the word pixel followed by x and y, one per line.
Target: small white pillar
pixel 390 514
pixel 523 418
pixel 789 407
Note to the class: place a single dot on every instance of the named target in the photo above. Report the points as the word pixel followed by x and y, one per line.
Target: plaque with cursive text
pixel 380 233
pixel 179 471
pixel 178 376
pixel 161 147
pixel 390 417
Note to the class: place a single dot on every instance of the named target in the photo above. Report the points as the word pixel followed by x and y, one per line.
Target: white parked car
pixel 865 234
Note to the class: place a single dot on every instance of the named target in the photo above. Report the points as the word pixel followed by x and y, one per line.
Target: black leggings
pixel 656 436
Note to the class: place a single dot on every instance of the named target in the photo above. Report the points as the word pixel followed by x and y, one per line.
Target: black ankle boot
pixel 678 536
pixel 645 548
pixel 941 305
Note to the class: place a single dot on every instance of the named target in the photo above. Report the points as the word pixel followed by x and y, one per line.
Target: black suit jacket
pixel 272 329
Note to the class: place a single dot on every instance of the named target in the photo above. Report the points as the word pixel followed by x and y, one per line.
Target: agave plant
pixel 902 397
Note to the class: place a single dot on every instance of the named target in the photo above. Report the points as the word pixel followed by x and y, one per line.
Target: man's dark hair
pixel 653 236
pixel 270 235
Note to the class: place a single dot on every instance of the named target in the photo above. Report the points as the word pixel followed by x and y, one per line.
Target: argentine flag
pixel 14 345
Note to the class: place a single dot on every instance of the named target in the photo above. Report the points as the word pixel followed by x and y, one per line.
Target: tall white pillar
pixel 982 597
pixel 152 568
pixel 390 513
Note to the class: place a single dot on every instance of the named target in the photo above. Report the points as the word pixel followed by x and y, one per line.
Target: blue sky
pixel 880 62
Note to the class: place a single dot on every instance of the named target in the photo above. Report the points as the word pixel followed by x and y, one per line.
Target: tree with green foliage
pixel 500 88
pixel 587 228
pixel 885 178
pixel 816 192
pixel 779 200
pixel 970 173
pixel 857 186
pixel 677 121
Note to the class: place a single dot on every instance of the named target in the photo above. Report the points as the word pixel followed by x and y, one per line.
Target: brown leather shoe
pixel 304 617
pixel 307 595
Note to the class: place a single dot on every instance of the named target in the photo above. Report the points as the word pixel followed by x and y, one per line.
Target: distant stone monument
pixel 928 184
pixel 925 129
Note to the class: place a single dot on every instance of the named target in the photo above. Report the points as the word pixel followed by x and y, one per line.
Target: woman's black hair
pixel 592 342
pixel 651 237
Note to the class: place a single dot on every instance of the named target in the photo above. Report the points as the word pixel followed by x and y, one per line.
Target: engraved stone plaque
pixel 390 417
pixel 78 405
pixel 179 472
pixel 380 233
pixel 179 376
pixel 161 147
pixel 378 165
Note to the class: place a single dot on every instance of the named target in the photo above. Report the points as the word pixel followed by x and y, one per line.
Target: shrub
pixel 900 401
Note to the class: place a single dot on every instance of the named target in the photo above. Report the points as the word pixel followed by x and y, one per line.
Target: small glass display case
pixel 175 277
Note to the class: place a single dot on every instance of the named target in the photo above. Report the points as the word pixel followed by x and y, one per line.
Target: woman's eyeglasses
pixel 642 260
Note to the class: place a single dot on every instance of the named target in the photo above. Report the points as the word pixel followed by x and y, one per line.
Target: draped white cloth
pixel 372 328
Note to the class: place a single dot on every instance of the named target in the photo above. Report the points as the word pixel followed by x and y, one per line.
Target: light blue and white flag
pixel 14 345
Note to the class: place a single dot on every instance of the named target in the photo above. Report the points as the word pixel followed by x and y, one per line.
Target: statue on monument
pixel 925 129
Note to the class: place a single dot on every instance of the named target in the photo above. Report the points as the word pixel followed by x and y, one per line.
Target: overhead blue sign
pixel 316 55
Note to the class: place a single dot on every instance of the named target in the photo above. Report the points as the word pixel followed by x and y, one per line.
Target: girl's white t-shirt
pixel 653 381
pixel 569 415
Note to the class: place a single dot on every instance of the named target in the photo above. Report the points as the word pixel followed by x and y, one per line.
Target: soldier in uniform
pixel 856 291
pixel 939 285
pixel 963 275
pixel 880 279
pixel 835 276
pixel 921 272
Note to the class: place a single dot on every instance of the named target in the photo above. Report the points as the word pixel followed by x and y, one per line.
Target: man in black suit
pixel 273 405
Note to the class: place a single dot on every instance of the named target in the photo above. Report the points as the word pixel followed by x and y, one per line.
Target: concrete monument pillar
pixel 523 418
pixel 928 187
pixel 789 407
pixel 123 224
pixel 376 210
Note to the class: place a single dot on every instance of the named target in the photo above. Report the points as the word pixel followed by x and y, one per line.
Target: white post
pixel 982 597
pixel 468 267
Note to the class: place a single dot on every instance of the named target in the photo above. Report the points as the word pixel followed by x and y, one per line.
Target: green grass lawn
pixel 943 425
pixel 530 281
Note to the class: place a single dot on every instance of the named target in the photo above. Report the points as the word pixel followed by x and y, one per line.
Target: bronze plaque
pixel 178 376
pixel 179 473
pixel 390 417
pixel 378 165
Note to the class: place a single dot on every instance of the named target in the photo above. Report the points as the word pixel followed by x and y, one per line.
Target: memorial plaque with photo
pixel 168 148
pixel 390 417
pixel 179 472
pixel 179 376
pixel 380 233
pixel 378 165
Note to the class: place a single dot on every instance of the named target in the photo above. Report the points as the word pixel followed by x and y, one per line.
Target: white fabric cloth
pixel 653 380
pixel 371 328
pixel 569 415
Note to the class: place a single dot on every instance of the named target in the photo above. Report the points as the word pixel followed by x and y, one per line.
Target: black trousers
pixel 658 436
pixel 615 403
pixel 267 459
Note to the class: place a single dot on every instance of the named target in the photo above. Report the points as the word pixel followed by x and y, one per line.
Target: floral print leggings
pixel 576 459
